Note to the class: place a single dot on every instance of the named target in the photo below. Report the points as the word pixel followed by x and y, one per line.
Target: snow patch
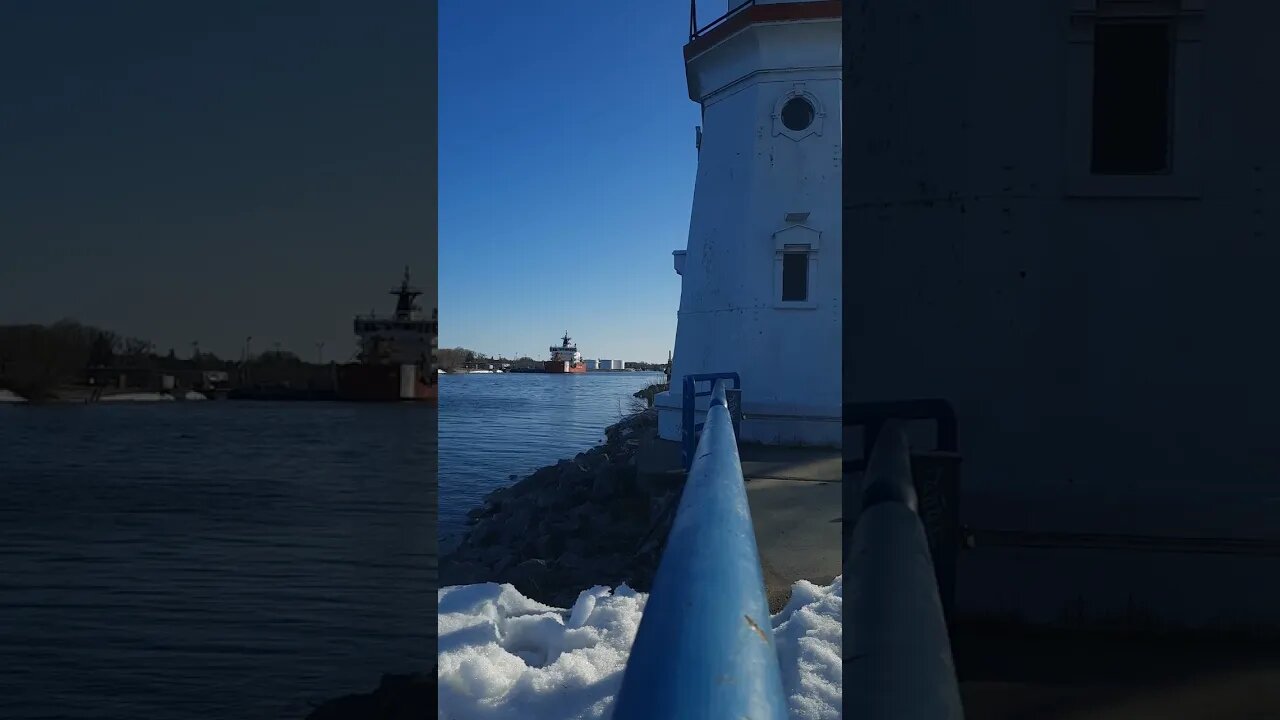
pixel 808 634
pixel 503 655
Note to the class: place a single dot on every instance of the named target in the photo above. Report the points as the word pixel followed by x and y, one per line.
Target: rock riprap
pixel 581 522
pixel 398 697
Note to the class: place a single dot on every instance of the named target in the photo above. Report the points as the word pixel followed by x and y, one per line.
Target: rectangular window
pixel 795 276
pixel 1131 80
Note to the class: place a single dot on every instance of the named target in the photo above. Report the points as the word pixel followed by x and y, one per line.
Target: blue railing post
pixel 897 653
pixel 689 411
pixel 705 646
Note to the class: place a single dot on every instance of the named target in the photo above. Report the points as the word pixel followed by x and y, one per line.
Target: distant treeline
pixel 457 358
pixel 35 359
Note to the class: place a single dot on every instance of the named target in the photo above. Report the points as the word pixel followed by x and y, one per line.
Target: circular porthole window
pixel 797 114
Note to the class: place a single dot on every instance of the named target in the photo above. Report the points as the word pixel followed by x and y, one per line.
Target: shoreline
pixel 586 521
pixel 539 371
pixel 86 395
pixel 397 697
pixel 79 397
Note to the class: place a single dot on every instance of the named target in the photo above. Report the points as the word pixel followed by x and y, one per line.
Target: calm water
pixel 495 426
pixel 212 560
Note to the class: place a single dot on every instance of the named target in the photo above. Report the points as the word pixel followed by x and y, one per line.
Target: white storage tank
pixel 592 364
pixel 617 365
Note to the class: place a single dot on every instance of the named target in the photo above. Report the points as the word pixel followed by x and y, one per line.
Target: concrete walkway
pixel 795 495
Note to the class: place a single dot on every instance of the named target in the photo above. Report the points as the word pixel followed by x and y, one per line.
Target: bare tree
pixel 135 349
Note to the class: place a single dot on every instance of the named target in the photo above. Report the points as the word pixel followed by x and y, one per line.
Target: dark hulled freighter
pixel 397 353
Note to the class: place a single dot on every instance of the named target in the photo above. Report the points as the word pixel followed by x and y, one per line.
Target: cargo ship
pixel 565 358
pixel 397 354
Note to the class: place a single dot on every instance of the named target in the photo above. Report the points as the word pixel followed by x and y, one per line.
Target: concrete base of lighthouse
pixel 763 422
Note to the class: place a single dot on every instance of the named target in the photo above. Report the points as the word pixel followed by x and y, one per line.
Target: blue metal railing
pixel 897 652
pixel 939 493
pixel 705 645
pixel 872 416
pixel 689 426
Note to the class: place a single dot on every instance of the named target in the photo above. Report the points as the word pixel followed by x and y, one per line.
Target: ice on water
pixel 503 655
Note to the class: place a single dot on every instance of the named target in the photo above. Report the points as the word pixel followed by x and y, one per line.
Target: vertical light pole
pixel 195 358
pixel 244 366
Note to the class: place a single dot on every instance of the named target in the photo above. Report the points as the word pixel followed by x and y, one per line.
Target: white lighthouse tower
pixel 1066 230
pixel 761 275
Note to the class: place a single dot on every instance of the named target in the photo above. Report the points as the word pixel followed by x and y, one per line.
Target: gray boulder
pixel 530 577
pixel 605 485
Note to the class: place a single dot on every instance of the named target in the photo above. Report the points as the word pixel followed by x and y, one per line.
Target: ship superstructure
pixel 565 358
pixel 396 360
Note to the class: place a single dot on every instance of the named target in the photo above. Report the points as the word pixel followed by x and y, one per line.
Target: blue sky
pixel 204 172
pixel 566 175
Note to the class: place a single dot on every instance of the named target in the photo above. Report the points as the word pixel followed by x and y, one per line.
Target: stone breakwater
pixel 592 520
pixel 649 393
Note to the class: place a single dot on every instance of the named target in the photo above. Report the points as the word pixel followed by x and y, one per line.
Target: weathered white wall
pixel 749 178
pixel 1107 346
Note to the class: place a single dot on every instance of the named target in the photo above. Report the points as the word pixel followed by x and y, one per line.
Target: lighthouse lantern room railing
pixel 705 646
pixel 696 31
pixel 690 427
